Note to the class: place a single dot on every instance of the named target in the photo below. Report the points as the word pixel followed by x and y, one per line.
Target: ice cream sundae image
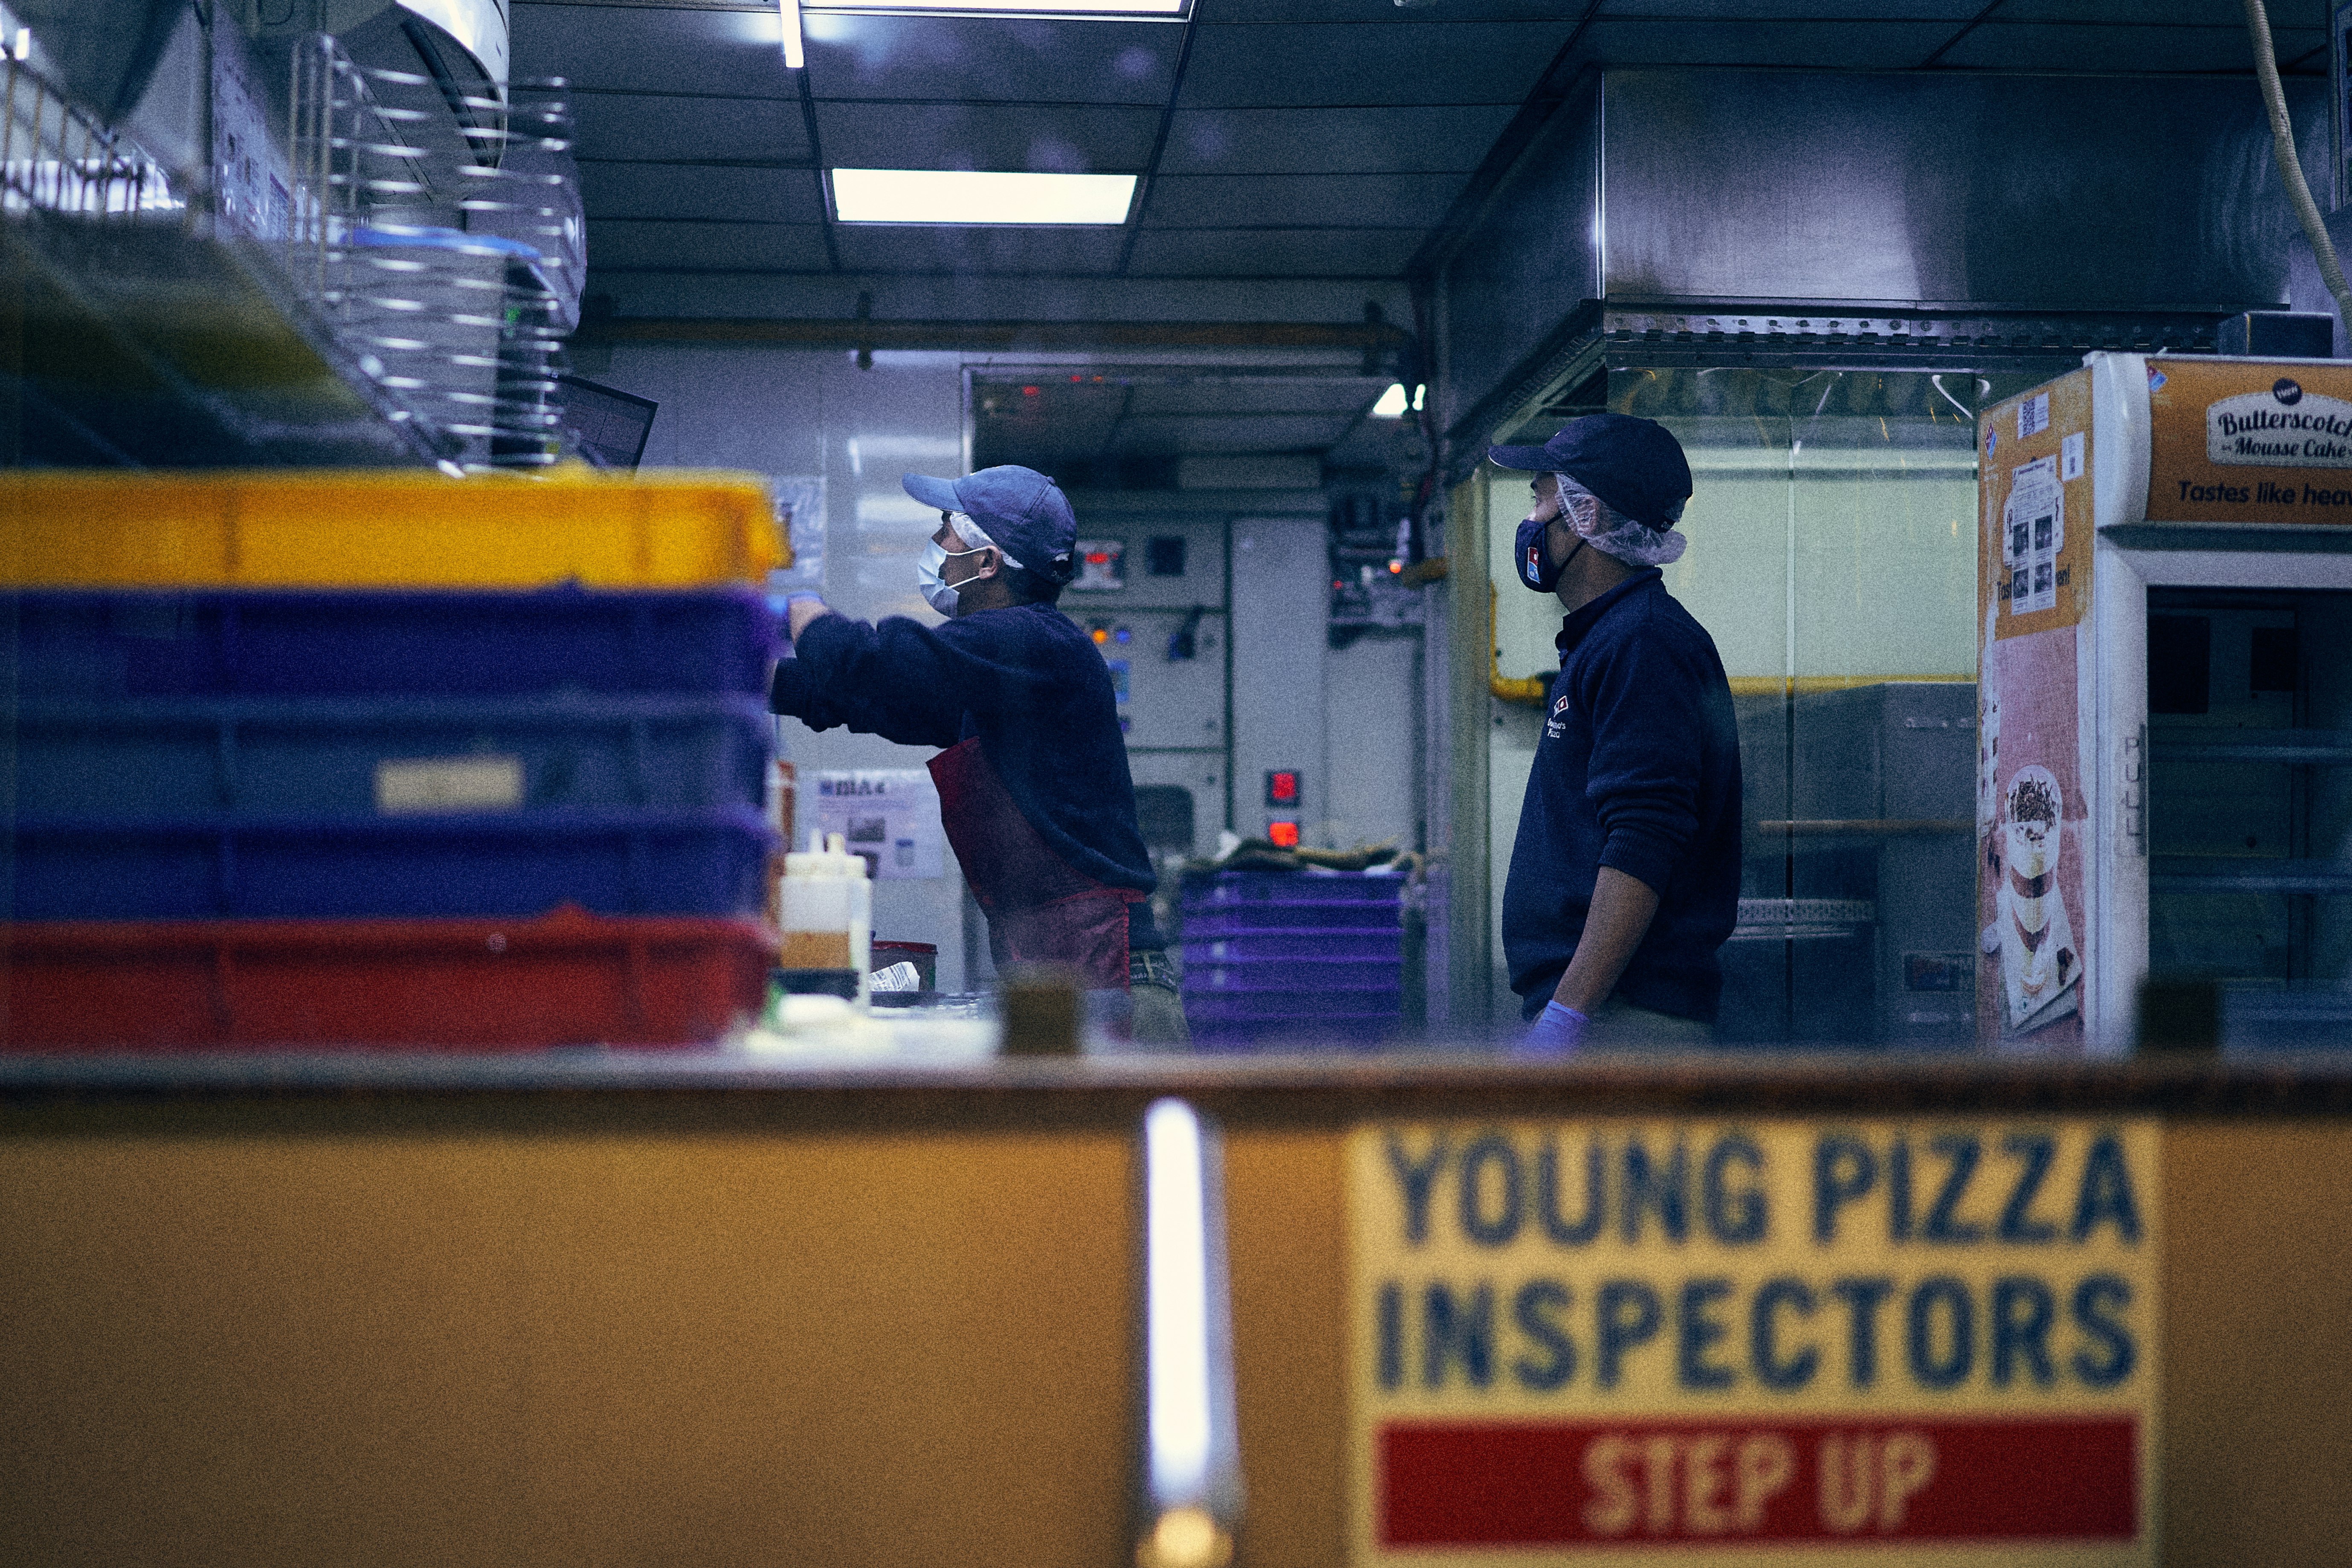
pixel 2039 962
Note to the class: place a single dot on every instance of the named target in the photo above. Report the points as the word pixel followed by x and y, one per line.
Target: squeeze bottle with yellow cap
pixel 826 913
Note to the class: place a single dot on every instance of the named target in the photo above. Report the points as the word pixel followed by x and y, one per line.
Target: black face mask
pixel 1535 569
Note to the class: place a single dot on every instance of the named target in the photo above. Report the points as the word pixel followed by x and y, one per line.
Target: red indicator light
pixel 1028 392
pixel 1097 558
pixel 1281 834
pixel 1282 786
pixel 1396 567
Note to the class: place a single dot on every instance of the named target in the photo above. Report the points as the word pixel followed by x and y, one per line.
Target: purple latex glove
pixel 1558 1030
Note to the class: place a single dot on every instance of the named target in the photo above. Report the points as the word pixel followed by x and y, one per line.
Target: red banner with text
pixel 1618 1483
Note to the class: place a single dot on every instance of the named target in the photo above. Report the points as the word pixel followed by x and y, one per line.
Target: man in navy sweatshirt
pixel 1035 792
pixel 1625 876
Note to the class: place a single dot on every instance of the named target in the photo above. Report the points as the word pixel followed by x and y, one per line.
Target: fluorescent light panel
pixel 789 14
pixel 1176 1292
pixel 965 196
pixel 1016 7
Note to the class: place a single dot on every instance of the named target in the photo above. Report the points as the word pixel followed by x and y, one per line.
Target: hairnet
pixel 1600 526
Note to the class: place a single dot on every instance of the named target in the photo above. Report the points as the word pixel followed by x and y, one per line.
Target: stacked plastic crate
pixel 325 760
pixel 1293 957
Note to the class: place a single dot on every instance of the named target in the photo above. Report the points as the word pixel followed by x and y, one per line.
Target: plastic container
pixel 1314 976
pixel 1278 958
pixel 1220 889
pixel 366 528
pixel 353 756
pixel 272 643
pixel 504 865
pixel 1228 904
pixel 565 979
pixel 826 910
pixel 1381 943
pixel 1261 920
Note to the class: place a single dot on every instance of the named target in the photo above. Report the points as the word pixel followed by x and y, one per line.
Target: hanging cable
pixel 2314 227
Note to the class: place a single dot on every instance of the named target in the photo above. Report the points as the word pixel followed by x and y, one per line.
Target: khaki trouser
pixel 1157 1022
pixel 1619 1025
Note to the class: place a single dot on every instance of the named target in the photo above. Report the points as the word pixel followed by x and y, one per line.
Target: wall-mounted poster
pixel 2034 589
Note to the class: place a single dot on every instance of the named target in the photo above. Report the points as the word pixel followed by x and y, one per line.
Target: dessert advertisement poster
pixel 2032 813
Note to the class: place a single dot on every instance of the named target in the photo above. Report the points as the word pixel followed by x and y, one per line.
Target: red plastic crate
pixel 568 978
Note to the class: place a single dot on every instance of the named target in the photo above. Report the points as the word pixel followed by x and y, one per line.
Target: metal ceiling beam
pixel 854 333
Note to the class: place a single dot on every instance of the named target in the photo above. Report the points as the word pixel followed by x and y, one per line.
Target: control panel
pixel 1167 671
pixel 1147 561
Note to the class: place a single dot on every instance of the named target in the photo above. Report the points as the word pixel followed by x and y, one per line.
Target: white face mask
pixel 938 592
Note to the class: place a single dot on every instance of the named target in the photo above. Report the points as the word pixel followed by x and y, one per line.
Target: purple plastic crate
pixel 287 643
pixel 1245 919
pixel 1387 943
pixel 150 758
pixel 1225 888
pixel 1319 975
pixel 1302 1007
pixel 705 862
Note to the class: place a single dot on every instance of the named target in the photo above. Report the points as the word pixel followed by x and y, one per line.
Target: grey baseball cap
pixel 1022 510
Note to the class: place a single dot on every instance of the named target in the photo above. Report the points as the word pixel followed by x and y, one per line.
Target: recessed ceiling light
pixel 795 51
pixel 1012 8
pixel 965 197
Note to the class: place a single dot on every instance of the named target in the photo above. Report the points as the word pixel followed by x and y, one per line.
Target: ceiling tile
pixel 963 59
pixel 1850 45
pixel 1820 10
pixel 1249 433
pixel 2045 46
pixel 1331 141
pixel 666 51
pixel 1261 252
pixel 669 245
pixel 2283 14
pixel 1403 62
pixel 1067 140
pixel 1376 12
pixel 1367 201
pixel 616 126
pixel 685 191
pixel 913 248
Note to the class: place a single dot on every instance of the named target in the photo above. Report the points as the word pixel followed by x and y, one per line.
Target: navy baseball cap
pixel 1023 511
pixel 1635 464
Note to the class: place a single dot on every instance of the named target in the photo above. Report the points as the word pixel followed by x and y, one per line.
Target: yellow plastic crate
pixel 359 528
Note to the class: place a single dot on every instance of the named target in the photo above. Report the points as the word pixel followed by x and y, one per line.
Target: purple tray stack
pixel 1293 958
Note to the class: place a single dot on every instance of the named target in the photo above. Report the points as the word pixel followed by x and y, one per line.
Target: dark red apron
pixel 1041 908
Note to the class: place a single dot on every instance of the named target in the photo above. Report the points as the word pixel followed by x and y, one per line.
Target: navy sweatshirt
pixel 1025 680
pixel 1638 769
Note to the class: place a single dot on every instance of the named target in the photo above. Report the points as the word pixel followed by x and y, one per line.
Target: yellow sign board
pixel 1577 1343
pixel 2245 441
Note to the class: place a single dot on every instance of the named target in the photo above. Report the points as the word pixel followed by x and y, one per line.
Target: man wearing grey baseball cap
pixel 1624 877
pixel 1035 792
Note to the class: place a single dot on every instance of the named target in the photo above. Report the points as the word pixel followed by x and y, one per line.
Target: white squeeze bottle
pixel 827 909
